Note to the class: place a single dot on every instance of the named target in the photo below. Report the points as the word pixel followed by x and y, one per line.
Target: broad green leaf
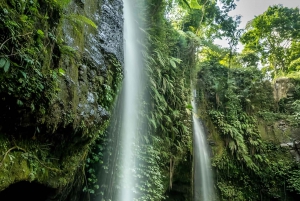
pixel 40 33
pixel 24 74
pixel 19 102
pixel 187 3
pixel 41 87
pixel 194 4
pixel 2 62
pixel 61 72
pixel 173 64
pixel 189 106
pixel 6 66
pixel 176 60
pixel 160 57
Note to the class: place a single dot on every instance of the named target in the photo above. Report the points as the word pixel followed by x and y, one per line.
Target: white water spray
pixel 133 86
pixel 203 181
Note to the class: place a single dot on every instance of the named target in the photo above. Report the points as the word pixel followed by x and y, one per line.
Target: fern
pixel 61 3
pixel 81 20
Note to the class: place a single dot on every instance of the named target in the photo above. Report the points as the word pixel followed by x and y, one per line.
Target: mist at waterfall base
pixel 203 180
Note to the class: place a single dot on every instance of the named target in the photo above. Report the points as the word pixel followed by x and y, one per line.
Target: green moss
pixel 45 87
pixel 32 162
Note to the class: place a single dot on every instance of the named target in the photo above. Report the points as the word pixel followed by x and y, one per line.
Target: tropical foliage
pixel 237 102
pixel 235 94
pixel 274 37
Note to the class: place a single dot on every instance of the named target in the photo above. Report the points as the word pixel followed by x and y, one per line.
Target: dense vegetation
pixel 246 119
pixel 240 113
pixel 237 101
pixel 237 94
pixel 169 55
pixel 48 103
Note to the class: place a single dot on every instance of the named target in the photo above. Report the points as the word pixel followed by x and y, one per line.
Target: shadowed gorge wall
pixel 63 65
pixel 27 191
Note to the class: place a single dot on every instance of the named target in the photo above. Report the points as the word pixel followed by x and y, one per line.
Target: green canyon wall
pixel 61 65
pixel 253 127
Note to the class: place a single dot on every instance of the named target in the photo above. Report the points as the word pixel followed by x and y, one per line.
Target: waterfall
pixel 203 181
pixel 133 88
pixel 118 175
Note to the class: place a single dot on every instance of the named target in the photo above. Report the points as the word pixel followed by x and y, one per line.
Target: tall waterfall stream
pixel 118 180
pixel 129 122
pixel 133 86
pixel 203 180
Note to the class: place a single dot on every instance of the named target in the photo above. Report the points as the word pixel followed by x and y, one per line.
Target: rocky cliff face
pixel 45 136
pixel 281 88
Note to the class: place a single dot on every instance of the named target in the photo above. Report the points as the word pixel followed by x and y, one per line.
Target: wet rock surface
pixel 51 149
pixel 87 81
pixel 109 35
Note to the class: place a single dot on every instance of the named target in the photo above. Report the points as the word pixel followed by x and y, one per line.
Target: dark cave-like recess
pixel 27 191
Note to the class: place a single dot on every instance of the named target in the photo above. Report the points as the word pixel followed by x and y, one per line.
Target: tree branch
pixel 13 148
pixel 13 37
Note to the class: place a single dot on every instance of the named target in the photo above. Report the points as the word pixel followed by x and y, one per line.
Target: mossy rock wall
pixel 254 129
pixel 57 93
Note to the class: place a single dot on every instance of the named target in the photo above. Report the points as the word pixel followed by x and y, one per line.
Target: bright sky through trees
pixel 248 9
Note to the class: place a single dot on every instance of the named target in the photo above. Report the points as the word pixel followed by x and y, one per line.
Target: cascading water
pixel 203 181
pixel 118 175
pixel 133 87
